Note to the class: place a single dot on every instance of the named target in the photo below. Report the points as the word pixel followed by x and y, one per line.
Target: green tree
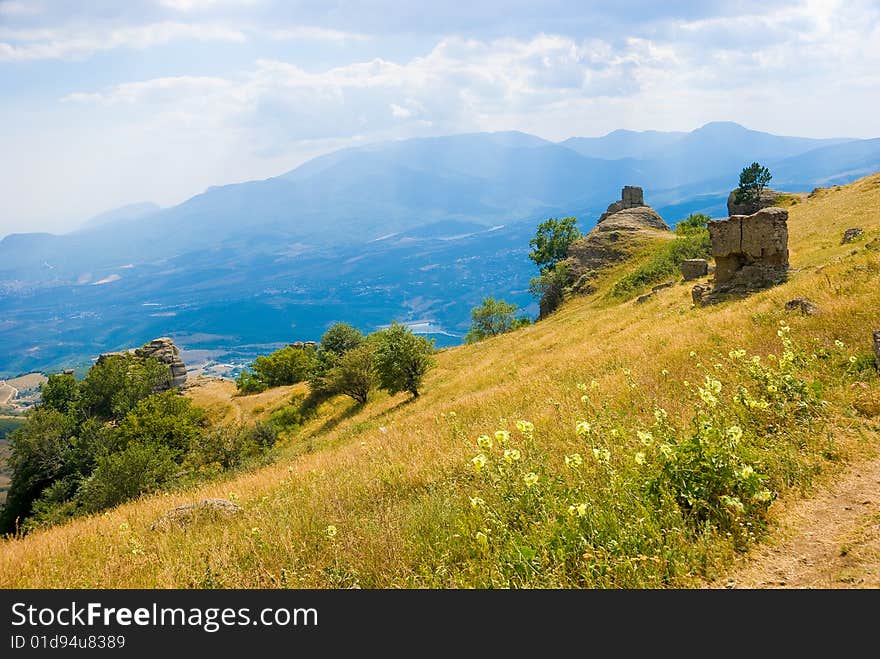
pixel 550 288
pixel 402 359
pixel 249 383
pixel 752 181
pixel 286 366
pixel 125 474
pixel 61 392
pixel 340 338
pixel 693 224
pixel 167 419
pixel 36 459
pixel 115 384
pixel 493 317
pixel 552 240
pixel 354 373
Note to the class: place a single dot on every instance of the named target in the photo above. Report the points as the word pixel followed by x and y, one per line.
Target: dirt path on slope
pixel 831 540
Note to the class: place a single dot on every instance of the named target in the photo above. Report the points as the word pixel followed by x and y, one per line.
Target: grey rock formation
pixel 750 251
pixel 802 304
pixel 183 515
pixel 164 351
pixel 626 225
pixel 694 268
pixel 767 198
pixel 633 219
pixel 700 292
pixel 874 245
pixel 850 235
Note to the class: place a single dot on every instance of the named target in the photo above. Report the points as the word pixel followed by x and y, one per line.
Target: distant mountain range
pixel 416 230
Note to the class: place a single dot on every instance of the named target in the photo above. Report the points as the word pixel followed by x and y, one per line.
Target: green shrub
pixel 493 317
pixel 167 420
pixel 550 288
pixel 225 447
pixel 354 374
pixel 635 505
pixel 664 262
pixel 126 474
pixel 402 359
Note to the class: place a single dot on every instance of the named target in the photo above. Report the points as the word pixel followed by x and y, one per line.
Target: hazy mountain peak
pixel 125 213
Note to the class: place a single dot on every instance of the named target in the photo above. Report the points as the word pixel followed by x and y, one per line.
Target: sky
pixel 106 103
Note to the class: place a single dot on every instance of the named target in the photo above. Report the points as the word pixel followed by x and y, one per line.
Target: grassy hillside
pixel 627 465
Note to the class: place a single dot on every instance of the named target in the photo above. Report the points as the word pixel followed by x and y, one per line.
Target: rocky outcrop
pixel 802 304
pixel 850 235
pixel 694 268
pixel 165 352
pixel 766 199
pixel 626 224
pixel 750 252
pixel 630 213
pixel 189 512
pixel 609 240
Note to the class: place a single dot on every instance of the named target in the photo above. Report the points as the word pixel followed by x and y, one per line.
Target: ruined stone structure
pixel 630 212
pixel 626 225
pixel 750 252
pixel 164 351
pixel 694 268
pixel 631 196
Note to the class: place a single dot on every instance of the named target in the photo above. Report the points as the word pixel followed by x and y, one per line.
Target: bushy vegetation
pixel 549 248
pixel 93 444
pixel 402 359
pixel 288 365
pixel 549 287
pixel 691 242
pixel 632 505
pixel 552 240
pixel 494 317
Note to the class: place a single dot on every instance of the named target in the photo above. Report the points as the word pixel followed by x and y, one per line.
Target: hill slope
pixel 387 495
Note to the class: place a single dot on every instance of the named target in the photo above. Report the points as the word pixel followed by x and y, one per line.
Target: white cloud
pixel 81 42
pixel 204 5
pixel 399 112
pixel 15 8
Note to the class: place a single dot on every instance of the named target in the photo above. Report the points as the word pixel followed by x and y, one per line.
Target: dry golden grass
pixel 220 399
pixel 389 476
